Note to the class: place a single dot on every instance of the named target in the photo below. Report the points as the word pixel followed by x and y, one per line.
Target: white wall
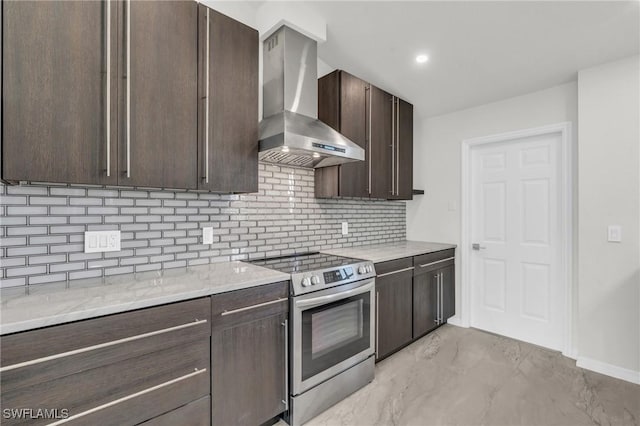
pixel 606 132
pixel 436 215
pixel 609 193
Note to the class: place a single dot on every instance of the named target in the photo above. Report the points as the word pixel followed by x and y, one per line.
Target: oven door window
pixel 334 332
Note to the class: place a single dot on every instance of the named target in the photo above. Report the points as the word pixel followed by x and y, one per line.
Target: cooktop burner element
pixel 304 262
pixel 317 271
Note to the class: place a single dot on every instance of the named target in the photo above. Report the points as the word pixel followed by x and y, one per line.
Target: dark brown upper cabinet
pixel 343 103
pixel 380 147
pixel 402 150
pixel 129 93
pixel 158 94
pixel 380 123
pixel 59 91
pixel 228 108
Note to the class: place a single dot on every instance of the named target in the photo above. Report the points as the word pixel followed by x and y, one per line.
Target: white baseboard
pixel 609 370
pixel 455 320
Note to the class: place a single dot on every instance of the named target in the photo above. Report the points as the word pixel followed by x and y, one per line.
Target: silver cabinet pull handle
pixel 377 322
pixel 108 94
pixel 128 129
pixel 206 106
pixel 368 89
pixel 396 272
pixel 437 276
pixel 441 299
pixel 248 308
pixel 393 144
pixel 285 324
pixel 131 396
pixel 436 262
pixel 101 345
pixel 397 148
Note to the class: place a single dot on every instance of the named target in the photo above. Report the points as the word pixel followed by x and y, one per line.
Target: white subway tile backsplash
pixel 163 228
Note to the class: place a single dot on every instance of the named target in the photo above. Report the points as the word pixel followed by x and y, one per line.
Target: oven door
pixel 332 330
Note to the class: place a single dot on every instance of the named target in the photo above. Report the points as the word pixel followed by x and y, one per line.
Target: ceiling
pixel 479 51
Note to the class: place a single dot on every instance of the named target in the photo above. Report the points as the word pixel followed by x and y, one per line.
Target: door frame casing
pixel 565 187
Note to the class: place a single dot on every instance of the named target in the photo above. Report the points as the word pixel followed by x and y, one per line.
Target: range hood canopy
pixel 290 132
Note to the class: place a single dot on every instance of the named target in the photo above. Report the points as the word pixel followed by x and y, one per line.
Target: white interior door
pixel 515 275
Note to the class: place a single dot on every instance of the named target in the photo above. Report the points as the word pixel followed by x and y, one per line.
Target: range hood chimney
pixel 290 132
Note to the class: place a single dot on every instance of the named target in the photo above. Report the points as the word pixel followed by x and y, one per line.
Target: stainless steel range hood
pixel 290 132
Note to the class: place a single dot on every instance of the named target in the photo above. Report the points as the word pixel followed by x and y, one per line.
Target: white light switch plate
pixel 207 235
pixel 614 233
pixel 345 228
pixel 101 241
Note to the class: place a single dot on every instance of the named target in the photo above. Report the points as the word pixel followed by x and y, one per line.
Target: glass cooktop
pixel 304 262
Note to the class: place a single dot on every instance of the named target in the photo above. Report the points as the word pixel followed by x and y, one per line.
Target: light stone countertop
pixel 390 251
pixel 26 308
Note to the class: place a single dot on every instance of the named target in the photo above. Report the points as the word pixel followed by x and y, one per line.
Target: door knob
pixel 477 246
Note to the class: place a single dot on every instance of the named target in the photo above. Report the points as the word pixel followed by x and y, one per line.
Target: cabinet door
pixel 228 109
pixel 381 153
pixel 248 358
pixel 448 292
pixel 354 120
pixel 159 96
pixel 59 109
pixel 393 312
pixel 404 151
pixel 425 300
pixel 248 372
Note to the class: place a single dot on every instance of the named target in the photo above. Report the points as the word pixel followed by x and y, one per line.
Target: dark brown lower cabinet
pixel 433 291
pixel 393 306
pixel 248 355
pixel 196 413
pixel 414 296
pixel 425 299
pixel 115 370
pixel 448 291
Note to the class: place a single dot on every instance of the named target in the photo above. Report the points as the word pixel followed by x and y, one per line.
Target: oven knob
pixel 306 282
pixel 315 280
pixel 362 270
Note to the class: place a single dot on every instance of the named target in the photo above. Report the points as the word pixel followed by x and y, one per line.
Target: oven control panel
pixel 338 275
pixel 311 281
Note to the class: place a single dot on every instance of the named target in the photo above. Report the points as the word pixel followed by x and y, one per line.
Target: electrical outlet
pixel 207 235
pixel 614 233
pixel 345 228
pixel 101 241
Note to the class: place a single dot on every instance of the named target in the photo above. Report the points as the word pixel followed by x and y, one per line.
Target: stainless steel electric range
pixel 331 336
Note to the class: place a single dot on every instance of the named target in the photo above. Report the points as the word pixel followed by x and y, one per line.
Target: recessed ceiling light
pixel 421 59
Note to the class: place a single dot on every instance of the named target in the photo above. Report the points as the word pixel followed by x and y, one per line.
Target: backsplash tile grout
pixel 42 226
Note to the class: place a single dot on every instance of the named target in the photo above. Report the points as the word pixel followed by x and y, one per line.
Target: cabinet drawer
pixel 438 259
pixel 238 306
pixel 124 383
pixel 393 266
pixel 45 342
pixel 196 413
pixel 158 328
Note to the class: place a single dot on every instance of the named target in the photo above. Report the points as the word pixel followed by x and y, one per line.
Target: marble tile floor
pixel 458 376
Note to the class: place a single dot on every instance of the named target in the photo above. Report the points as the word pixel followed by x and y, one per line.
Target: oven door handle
pixel 322 300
